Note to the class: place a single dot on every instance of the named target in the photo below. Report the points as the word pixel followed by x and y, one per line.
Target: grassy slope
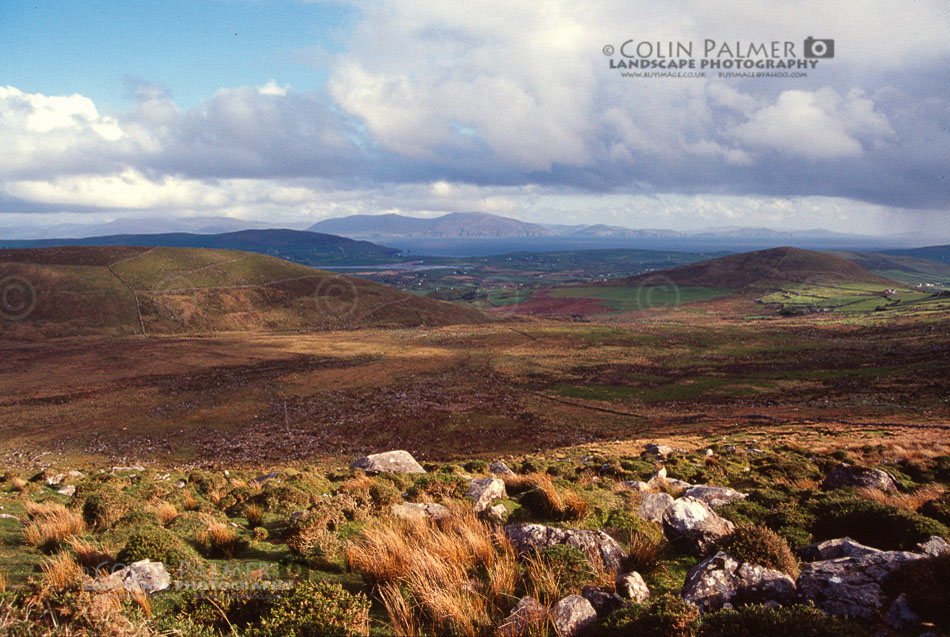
pixel 186 290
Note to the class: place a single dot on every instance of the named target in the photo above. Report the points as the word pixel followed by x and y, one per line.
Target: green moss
pixel 159 545
pixel 873 523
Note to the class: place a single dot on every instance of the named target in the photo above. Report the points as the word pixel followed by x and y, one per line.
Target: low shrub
pixel 665 616
pixel 927 586
pixel 873 523
pixel 281 498
pixel 157 544
pixel 760 545
pixel 938 508
pixel 316 608
pixel 102 505
pixel 476 466
pixel 790 621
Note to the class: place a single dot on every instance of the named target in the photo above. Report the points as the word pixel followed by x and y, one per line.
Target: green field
pixel 633 298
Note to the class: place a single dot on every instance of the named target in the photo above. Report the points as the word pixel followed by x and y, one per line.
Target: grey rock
pixel 852 585
pixel 834 549
pixel 653 505
pixel 500 469
pixel 654 449
pixel 637 485
pixel 715 496
pixel 900 615
pixel 54 480
pixel 143 576
pixel 708 453
pixel 632 586
pixel 692 526
pixel 603 602
pixel 415 511
pixel 69 490
pixel 8 516
pixel 527 614
pixel 497 514
pixel 122 469
pixel 721 579
pixel 485 491
pixel 846 475
pixel 297 516
pixel 935 546
pixel 388 462
pixel 536 537
pixel 259 480
pixel 673 483
pixel 572 616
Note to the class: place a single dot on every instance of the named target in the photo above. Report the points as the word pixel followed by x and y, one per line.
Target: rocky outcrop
pixel 603 602
pixel 637 485
pixel 143 576
pixel 497 514
pixel 852 585
pixel 525 617
pixel 834 549
pixel 692 527
pixel 572 616
pixel 536 537
pixel 715 496
pixel 654 449
pixel 721 579
pixel 653 505
pixel 417 511
pixel 900 615
pixel 485 491
pixel 69 490
pixel 935 546
pixel 632 586
pixel 846 475
pixel 388 462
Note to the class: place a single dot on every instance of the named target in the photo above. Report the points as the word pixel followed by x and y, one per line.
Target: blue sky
pixel 289 112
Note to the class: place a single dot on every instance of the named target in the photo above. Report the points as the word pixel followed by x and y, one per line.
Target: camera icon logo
pixel 819 48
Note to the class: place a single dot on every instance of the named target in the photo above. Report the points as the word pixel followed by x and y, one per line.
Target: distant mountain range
pixel 454 225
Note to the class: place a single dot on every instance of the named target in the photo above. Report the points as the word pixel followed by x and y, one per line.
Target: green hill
pixel 125 290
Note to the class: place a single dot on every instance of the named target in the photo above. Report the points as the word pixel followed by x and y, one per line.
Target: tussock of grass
pixel 50 524
pixel 61 571
pixel 219 539
pixel 166 511
pixel 90 555
pixel 546 500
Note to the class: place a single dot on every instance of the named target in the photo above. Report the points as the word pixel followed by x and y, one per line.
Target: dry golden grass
pixel 18 484
pixel 560 504
pixel 166 511
pixel 50 524
pixel 191 503
pixel 220 539
pixel 254 515
pixel 455 577
pixel 3 583
pixel 910 501
pixel 90 555
pixel 543 580
pixel 215 494
pixel 646 554
pixel 61 571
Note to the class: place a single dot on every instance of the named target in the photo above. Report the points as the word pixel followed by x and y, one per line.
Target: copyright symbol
pixel 337 297
pixel 658 291
pixel 608 49
pixel 17 297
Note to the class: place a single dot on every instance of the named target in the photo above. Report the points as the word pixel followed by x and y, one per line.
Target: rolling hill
pixel 310 248
pixel 454 225
pixel 933 253
pixel 78 290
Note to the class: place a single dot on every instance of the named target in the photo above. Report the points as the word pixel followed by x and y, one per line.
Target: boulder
pixel 536 537
pixel 673 483
pixel 846 475
pixel 654 449
pixel 721 579
pixel 527 615
pixel 388 462
pixel 420 511
pixel 852 585
pixel 54 480
pixel 653 505
pixel 497 514
pixel 69 490
pixel 692 527
pixel 572 616
pixel 900 615
pixel 715 496
pixel 935 546
pixel 485 491
pixel 637 485
pixel 123 469
pixel 500 469
pixel 632 586
pixel 143 576
pixel 603 602
pixel 259 480
pixel 834 549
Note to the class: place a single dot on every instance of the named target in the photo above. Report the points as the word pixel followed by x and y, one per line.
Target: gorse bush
pixel 157 544
pixel 665 616
pixel 873 523
pixel 760 545
pixel 791 621
pixel 316 608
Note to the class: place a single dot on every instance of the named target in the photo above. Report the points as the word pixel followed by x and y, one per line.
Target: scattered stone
pixel 708 453
pixel 834 549
pixel 653 505
pixel 846 475
pixel 180 484
pixel 658 475
pixel 673 483
pixel 730 448
pixel 388 462
pixel 76 475
pixel 715 496
pixel 935 546
pixel 143 576
pixel 900 615
pixel 658 450
pixel 536 537
pixel 603 602
pixel 721 579
pixel 54 480
pixel 259 480
pixel 414 511
pixel 852 585
pixel 500 469
pixel 69 490
pixel 632 586
pixel 692 527
pixel 120 469
pixel 497 514
pixel 637 485
pixel 527 614
pixel 485 491
pixel 572 616
pixel 7 516
pixel 296 516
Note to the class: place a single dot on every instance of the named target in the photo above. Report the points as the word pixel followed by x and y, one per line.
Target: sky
pixel 290 112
